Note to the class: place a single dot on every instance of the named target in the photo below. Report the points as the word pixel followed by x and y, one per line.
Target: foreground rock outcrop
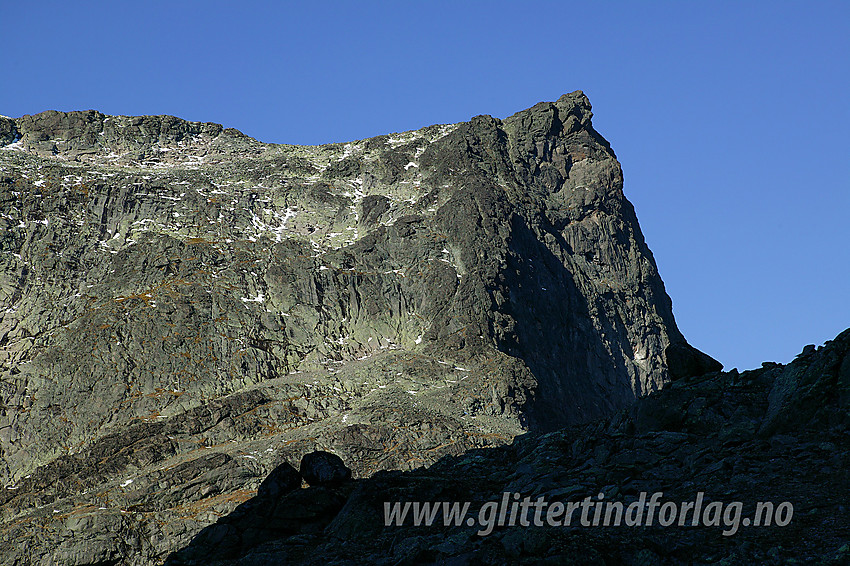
pixel 776 434
pixel 184 308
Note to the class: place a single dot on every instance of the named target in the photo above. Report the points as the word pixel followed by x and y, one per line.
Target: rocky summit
pixel 184 310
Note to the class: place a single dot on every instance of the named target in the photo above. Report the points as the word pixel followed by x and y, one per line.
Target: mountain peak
pixel 180 303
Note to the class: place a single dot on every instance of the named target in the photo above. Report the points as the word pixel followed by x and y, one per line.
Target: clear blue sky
pixel 731 119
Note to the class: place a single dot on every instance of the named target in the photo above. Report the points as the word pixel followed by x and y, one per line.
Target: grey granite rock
pixel 8 131
pixel 280 481
pixel 721 455
pixel 183 309
pixel 683 360
pixel 324 468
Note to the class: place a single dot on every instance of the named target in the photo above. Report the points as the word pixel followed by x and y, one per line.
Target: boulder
pixel 280 481
pixel 324 468
pixel 683 360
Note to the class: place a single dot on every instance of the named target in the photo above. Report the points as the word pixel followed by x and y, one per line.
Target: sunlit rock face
pixel 183 308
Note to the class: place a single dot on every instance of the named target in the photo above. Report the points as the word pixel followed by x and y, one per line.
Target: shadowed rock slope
pixel 778 435
pixel 183 308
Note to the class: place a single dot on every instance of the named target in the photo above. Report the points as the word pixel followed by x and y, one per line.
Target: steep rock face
pixel 575 292
pixel 178 296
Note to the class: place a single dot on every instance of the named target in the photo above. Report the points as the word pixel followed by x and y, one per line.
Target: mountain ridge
pixel 178 296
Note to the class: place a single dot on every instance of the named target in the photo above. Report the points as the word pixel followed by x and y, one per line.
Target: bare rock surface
pixel 184 309
pixel 776 436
